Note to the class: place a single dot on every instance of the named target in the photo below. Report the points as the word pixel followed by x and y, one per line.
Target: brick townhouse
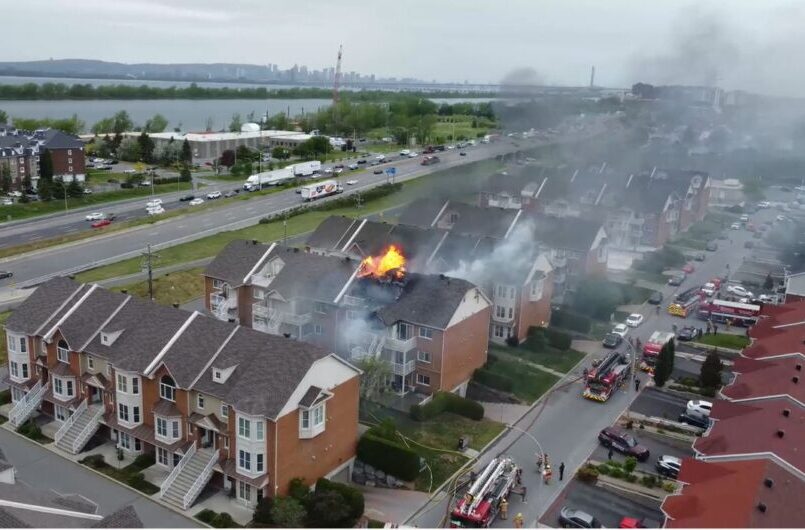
pixel 515 276
pixel 215 402
pixel 20 151
pixel 749 469
pixel 322 299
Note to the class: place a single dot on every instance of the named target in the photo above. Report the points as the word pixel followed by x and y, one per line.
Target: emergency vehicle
pixel 722 311
pixel 607 376
pixel 481 504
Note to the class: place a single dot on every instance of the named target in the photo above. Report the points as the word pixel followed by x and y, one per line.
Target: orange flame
pixel 380 267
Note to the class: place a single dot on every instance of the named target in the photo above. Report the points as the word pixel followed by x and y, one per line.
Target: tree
pixel 185 175
pixel 26 185
pixel 129 150
pixel 156 124
pixel 227 158
pixel 45 189
pixel 74 189
pixel 664 366
pixel 768 284
pixel 46 166
pixel 710 373
pixel 288 512
pixel 146 146
pixel 280 153
pixel 318 145
pixel 375 373
pixel 122 122
pixel 187 152
pixel 328 509
pixel 236 123
pixel 104 126
pixel 5 178
pixel 3 117
pixel 279 121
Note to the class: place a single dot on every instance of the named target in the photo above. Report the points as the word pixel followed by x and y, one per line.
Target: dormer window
pixel 220 375
pixel 167 388
pixel 63 352
pixel 109 337
pixel 217 376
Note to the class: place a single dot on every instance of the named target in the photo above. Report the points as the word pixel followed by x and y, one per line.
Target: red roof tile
pixel 752 428
pixel 767 377
pixel 728 495
pixel 780 330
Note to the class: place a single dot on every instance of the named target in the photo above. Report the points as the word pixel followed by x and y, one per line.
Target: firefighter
pixel 518 476
pixel 518 520
pixel 547 474
pixel 504 509
pixel 539 462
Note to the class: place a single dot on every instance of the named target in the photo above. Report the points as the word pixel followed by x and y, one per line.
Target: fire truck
pixel 685 303
pixel 652 347
pixel 607 376
pixel 722 310
pixel 480 505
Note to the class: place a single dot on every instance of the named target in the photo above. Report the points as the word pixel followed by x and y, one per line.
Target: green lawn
pixel 3 347
pixel 528 383
pixel 561 361
pixel 176 287
pixel 723 340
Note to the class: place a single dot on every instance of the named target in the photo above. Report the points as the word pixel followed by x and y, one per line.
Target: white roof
pixel 224 136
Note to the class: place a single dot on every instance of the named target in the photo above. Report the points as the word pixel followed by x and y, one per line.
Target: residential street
pixel 43 469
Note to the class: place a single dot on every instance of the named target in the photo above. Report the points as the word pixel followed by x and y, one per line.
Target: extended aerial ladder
pixel 480 505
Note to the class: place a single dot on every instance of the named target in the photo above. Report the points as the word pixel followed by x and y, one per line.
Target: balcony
pixel 401 345
pixel 559 261
pixel 222 305
pixel 505 319
pixel 261 280
pixel 354 301
pixel 403 369
pixel 297 320
pixel 260 310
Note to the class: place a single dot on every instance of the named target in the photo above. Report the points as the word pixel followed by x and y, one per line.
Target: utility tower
pixel 148 267
pixel 337 80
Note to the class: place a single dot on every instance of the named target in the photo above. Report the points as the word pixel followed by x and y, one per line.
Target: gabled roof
pixel 565 233
pixel 192 350
pixel 55 139
pixel 729 494
pixel 268 370
pixel 333 233
pixel 80 326
pixel 422 212
pixel 780 330
pixel 429 300
pixel 235 261
pixel 310 276
pixel 41 305
pixel 762 378
pixel 469 219
pixel 753 428
pixel 125 517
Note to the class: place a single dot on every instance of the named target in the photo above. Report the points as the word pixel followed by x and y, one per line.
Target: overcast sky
pixel 751 44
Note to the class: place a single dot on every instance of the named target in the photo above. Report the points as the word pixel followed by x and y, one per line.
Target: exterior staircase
pixel 188 478
pixel 25 407
pixel 79 428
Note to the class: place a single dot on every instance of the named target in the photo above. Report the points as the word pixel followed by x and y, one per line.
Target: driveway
pixel 659 404
pixel 657 445
pixel 605 505
pixel 42 469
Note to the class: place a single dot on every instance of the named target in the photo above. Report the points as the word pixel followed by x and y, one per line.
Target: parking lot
pixel 657 445
pixel 659 404
pixel 605 505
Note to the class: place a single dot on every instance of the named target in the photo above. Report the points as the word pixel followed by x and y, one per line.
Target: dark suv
pixel 623 442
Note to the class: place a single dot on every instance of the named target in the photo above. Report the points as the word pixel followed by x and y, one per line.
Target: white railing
pixel 403 368
pixel 261 280
pixel 260 310
pixel 200 482
pixel 297 320
pixel 88 430
pixel 402 345
pixel 69 422
pixel 22 410
pixel 177 469
pixel 354 301
pixel 221 305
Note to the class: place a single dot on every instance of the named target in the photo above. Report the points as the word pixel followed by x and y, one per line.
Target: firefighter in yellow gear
pixel 518 520
pixel 504 509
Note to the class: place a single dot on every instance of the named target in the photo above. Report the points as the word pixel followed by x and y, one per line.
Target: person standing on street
pixel 504 509
pixel 518 520
pixel 636 384
pixel 561 471
pixel 609 454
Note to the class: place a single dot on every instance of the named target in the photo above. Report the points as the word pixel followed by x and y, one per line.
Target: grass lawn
pixel 561 361
pixel 32 209
pixel 176 287
pixel 300 224
pixel 723 340
pixel 528 383
pixel 3 346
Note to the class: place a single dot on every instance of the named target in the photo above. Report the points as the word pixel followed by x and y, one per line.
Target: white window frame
pixel 16 394
pixel 217 284
pixel 90 362
pixel 317 329
pixel 422 379
pixel 161 427
pixel 320 307
pixel 224 410
pixel 312 421
pixel 423 356
pixel 167 391
pixel 200 401
pixel 259 430
pixel 163 453
pixel 244 428
pixel 425 333
pixel 124 441
pixel 244 457
pixel 122 384
pixel 17 343
pixel 135 414
pixel 14 370
pixel 61 413
pixel 121 408
pixel 135 386
pixel 63 388
pixel 244 491
pixel 62 354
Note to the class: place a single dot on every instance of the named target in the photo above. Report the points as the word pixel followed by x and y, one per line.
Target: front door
pixel 206 437
pixel 95 395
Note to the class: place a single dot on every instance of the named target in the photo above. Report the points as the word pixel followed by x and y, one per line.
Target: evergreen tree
pixel 46 166
pixel 768 284
pixel 146 145
pixel 710 374
pixel 5 177
pixel 74 189
pixel 665 364
pixel 187 153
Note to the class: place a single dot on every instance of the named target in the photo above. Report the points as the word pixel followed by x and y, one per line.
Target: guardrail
pixel 88 430
pixel 69 422
pixel 20 412
pixel 200 481
pixel 177 469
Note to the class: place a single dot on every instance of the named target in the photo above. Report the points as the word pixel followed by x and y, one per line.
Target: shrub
pixel 568 320
pixel 299 490
pixel 648 481
pixel 604 469
pixel 262 512
pixel 631 477
pixel 388 456
pixel 512 341
pixel 94 461
pixel 629 464
pixel 708 392
pixel 5 396
pixel 493 380
pixel 223 520
pixel 617 473
pixel 288 513
pixel 352 498
pixel 588 474
pixel 669 487
pixel 143 461
pixel 126 185
pixel 206 516
pixel 447 401
pixel 558 339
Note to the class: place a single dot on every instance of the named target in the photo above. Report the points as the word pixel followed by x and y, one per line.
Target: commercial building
pixel 726 193
pixel 213 401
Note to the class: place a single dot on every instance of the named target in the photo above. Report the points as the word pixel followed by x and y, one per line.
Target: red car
pixel 688 269
pixel 101 223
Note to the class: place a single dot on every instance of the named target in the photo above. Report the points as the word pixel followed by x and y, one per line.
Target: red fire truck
pixel 738 314
pixel 652 347
pixel 685 302
pixel 607 376
pixel 480 505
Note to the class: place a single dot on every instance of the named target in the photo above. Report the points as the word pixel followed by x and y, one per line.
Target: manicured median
pixel 724 340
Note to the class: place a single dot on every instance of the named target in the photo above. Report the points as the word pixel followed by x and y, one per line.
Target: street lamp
pixel 64 187
pixel 518 429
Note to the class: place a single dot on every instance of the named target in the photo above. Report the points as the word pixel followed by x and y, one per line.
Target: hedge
pixel 568 320
pixel 353 498
pixel 447 401
pixel 388 456
pixel 493 380
pixel 557 339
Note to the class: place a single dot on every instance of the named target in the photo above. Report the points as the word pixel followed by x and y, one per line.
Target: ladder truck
pixel 652 347
pixel 606 377
pixel 480 505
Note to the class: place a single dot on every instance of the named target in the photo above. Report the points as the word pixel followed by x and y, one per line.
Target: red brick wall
pixel 311 459
pixel 465 349
pixel 534 313
pixel 61 164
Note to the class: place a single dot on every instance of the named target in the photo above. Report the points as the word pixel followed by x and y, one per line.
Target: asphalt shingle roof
pixel 307 275
pixel 235 261
pixel 125 517
pixel 38 308
pixel 80 326
pixel 415 303
pixel 55 139
pixel 477 221
pixel 188 356
pixel 421 212
pixel 333 232
pixel 569 233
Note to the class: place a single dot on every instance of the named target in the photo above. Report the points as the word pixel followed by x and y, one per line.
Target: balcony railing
pixel 260 310
pixel 504 318
pixel 403 369
pixel 354 301
pixel 261 280
pixel 402 345
pixel 297 320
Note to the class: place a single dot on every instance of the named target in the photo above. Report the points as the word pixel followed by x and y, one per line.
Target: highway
pixel 116 246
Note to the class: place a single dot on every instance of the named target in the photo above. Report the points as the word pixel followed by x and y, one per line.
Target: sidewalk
pixel 390 505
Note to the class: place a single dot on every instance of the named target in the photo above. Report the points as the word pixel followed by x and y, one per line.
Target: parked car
pixel 744 218
pixel 352 182
pixel 156 210
pixel 94 216
pixel 676 279
pixel 6 274
pixel 711 246
pixel 740 290
pixel 186 198
pixel 735 226
pixel 378 171
pixel 688 268
pixel 230 193
pixel 462 153
pixel 196 202
pixel 655 298
pixel 361 161
pixel 709 288
pixel 623 442
pixel 100 223
pixel 612 340
pixel 570 518
pixel 620 329
pixel 634 320
pixel 694 421
pixel 153 203
pixel 213 195
pixel 688 333
pixel 668 466
pixel 353 166
pixel 699 407
pixel 8 202
pixel 405 152
pixel 338 170
pixel 699 256
pixel 413 155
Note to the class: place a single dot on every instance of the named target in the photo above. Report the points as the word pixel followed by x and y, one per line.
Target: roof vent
pixel 798 368
pixel 768 483
pixel 761 507
pixel 786 412
pixel 780 433
pixel 795 379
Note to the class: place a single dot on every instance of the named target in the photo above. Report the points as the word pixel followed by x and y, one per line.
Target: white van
pixel 153 203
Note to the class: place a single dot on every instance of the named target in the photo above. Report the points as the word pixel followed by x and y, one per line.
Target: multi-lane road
pixel 120 245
